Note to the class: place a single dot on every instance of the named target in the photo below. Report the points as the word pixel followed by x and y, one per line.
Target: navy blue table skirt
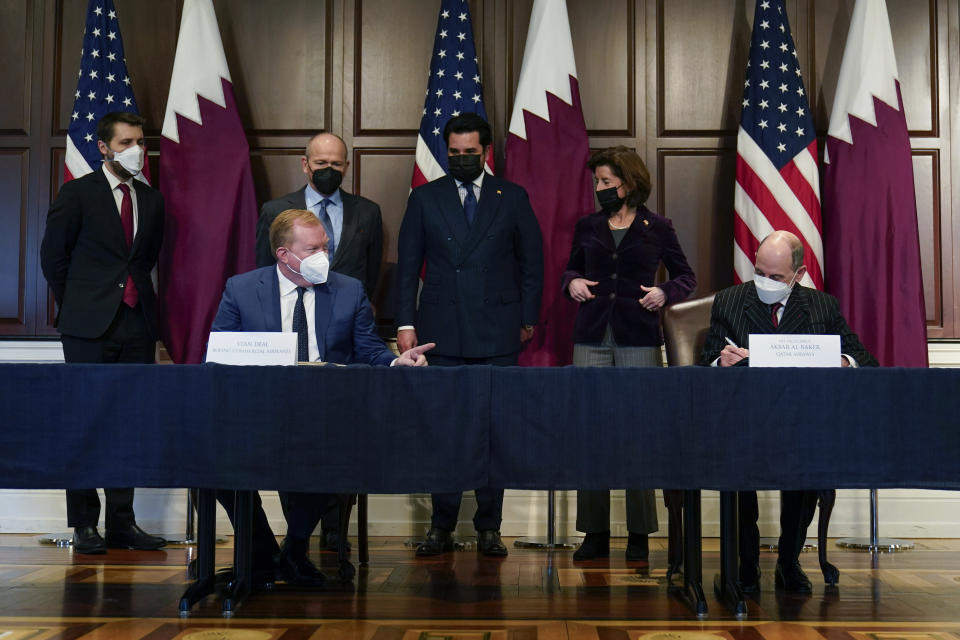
pixel 381 430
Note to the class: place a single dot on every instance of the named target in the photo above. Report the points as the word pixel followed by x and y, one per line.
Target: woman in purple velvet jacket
pixel 612 274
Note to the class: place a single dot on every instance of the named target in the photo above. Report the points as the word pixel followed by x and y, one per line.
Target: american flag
pixel 103 86
pixel 453 88
pixel 778 184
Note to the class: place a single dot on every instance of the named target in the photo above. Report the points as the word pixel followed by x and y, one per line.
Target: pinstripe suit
pixel 737 312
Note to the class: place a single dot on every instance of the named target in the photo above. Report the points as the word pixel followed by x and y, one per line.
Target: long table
pixel 359 429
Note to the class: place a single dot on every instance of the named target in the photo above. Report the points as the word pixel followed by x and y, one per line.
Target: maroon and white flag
pixel 207 184
pixel 547 153
pixel 870 211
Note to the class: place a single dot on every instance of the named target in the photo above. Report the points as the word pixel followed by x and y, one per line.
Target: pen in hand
pixel 731 342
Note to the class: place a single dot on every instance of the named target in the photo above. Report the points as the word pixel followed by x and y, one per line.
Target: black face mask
pixel 609 200
pixel 326 180
pixel 465 168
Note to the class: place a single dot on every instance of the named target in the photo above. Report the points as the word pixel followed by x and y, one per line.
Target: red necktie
pixel 773 314
pixel 130 296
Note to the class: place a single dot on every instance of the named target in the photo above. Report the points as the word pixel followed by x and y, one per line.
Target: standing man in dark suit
pixel 101 242
pixel 481 244
pixel 775 302
pixel 352 223
pixel 354 241
pixel 334 323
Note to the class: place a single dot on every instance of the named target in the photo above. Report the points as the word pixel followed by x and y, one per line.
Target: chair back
pixel 685 326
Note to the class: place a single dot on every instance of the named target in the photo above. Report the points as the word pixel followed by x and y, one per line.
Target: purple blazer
pixel 620 271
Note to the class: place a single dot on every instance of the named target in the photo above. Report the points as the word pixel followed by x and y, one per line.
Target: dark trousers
pixel 264 543
pixel 796 513
pixel 303 511
pixel 127 340
pixel 797 509
pixel 446 506
pixel 593 511
pixel 747 514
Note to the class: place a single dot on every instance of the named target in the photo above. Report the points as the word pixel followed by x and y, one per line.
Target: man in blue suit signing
pixel 334 323
pixel 479 243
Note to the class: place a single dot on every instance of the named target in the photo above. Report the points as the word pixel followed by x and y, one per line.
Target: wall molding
pixel 904 513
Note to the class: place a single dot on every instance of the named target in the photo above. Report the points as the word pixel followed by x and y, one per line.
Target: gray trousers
pixel 593 507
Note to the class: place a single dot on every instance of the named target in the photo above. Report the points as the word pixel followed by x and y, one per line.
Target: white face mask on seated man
pixel 314 268
pixel 772 291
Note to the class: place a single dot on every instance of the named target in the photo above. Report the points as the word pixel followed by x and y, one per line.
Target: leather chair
pixel 685 326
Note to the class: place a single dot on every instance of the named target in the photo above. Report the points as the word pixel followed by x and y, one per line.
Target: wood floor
pixel 47 592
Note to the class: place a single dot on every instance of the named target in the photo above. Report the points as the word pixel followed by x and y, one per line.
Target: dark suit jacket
pixel 737 312
pixel 344 322
pixel 85 259
pixel 483 282
pixel 359 252
pixel 619 272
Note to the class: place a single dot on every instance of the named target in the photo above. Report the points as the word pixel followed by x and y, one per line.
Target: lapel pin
pixel 499 192
pixel 646 222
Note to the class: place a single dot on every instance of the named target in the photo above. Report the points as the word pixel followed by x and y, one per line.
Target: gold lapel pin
pixel 646 222
pixel 499 192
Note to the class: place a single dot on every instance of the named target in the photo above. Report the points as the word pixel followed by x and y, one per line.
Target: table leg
pixel 242 553
pixel 362 542
pixel 347 570
pixel 726 585
pixel 202 586
pixel 693 553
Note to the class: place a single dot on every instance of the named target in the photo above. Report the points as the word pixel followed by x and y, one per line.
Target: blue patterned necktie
pixel 328 227
pixel 469 203
pixel 300 327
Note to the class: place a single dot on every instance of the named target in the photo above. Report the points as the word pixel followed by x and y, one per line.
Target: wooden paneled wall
pixel 661 76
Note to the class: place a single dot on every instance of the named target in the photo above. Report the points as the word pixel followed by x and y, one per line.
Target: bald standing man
pixel 354 230
pixel 775 302
pixel 353 224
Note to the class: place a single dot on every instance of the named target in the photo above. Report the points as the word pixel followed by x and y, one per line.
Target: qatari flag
pixel 206 181
pixel 547 154
pixel 871 240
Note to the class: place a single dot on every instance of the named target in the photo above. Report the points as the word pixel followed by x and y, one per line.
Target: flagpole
pixel 875 544
pixel 551 541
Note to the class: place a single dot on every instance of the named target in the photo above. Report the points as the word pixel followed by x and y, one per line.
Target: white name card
pixel 794 350
pixel 250 347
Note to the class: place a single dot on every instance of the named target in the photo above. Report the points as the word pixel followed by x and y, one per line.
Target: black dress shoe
pixel 749 577
pixel 296 569
pixel 87 540
pixel 490 544
pixel 330 540
pixel 673 570
pixel 638 547
pixel 750 586
pixel 133 537
pixel 594 545
pixel 437 541
pixel 791 578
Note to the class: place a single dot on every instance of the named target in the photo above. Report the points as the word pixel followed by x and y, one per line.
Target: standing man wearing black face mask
pixel 354 230
pixel 101 242
pixel 481 246
pixel 352 223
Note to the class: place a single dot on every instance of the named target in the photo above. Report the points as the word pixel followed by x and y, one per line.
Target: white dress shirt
pixel 118 194
pixel 288 300
pixel 477 184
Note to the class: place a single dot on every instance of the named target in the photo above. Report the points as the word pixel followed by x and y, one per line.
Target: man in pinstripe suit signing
pixel 775 302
